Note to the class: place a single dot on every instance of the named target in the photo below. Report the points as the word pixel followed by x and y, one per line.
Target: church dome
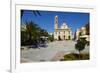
pixel 64 26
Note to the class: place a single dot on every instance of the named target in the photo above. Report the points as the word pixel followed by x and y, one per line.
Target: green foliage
pixel 24 37
pixel 74 56
pixel 32 31
pixel 32 34
pixel 80 44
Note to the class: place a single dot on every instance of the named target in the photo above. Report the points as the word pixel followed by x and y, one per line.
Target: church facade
pixel 62 33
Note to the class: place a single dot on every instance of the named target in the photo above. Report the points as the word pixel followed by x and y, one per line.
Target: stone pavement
pixel 53 52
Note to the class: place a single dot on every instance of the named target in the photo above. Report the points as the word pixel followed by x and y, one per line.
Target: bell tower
pixel 56 22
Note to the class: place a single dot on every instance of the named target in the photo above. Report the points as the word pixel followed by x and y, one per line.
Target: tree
pixel 31 31
pixel 80 45
pixel 32 34
pixel 24 37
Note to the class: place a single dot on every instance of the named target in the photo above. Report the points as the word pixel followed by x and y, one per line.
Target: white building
pixel 81 33
pixel 62 33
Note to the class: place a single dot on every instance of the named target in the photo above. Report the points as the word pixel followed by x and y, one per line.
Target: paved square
pixel 53 52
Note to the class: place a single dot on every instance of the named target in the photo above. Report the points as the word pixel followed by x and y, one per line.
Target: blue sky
pixel 46 21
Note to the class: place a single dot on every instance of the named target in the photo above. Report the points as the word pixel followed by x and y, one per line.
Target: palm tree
pixel 31 29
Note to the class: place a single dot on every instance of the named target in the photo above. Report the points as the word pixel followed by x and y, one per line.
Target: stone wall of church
pixel 62 34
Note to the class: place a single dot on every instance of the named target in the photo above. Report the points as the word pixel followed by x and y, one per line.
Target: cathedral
pixel 62 33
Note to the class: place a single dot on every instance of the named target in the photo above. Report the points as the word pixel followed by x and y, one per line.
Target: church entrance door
pixel 59 38
pixel 64 37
